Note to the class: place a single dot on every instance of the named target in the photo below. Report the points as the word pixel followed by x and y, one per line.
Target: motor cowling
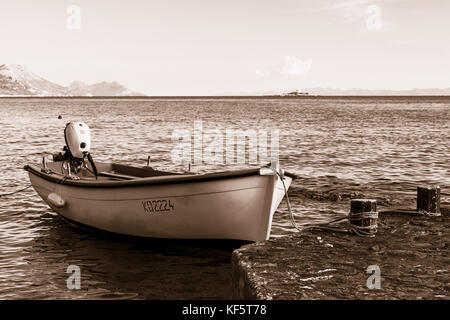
pixel 78 139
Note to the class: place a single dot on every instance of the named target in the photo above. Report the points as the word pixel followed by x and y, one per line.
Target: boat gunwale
pixel 147 181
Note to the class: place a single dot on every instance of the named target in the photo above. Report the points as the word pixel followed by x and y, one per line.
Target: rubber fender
pixel 56 200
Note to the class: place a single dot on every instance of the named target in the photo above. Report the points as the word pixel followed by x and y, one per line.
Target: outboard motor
pixel 78 139
pixel 78 144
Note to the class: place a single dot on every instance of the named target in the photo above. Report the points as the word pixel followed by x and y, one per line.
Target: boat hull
pixel 237 208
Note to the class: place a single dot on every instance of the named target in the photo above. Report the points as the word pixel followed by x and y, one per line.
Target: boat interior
pixel 107 171
pixel 76 167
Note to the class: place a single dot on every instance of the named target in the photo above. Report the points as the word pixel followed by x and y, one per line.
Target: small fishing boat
pixel 142 201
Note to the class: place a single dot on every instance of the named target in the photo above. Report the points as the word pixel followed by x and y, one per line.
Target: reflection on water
pixel 342 148
pixel 34 263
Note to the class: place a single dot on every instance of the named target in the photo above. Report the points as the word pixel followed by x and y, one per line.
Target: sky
pixel 210 47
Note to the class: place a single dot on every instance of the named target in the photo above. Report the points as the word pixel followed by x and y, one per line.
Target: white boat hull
pixel 237 208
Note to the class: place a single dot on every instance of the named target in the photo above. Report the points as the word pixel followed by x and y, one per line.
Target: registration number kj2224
pixel 159 205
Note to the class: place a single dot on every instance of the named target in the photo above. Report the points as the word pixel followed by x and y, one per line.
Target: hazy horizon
pixel 213 48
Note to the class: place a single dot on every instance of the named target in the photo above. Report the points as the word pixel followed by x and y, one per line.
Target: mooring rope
pixel 363 231
pixel 428 214
pixel 412 211
pixel 291 214
pixel 14 192
pixel 287 200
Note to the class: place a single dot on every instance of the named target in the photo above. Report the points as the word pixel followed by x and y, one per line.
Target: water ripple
pixel 341 149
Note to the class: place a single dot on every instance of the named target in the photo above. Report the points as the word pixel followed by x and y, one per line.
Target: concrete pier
pixel 409 254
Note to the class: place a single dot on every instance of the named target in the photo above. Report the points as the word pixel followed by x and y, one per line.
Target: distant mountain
pixel 385 92
pixel 16 80
pixel 78 88
pixel 343 92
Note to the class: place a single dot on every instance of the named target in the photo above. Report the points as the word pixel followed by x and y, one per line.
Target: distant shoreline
pixel 227 97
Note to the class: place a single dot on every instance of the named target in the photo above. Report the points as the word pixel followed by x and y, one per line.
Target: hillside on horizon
pixel 17 80
pixel 323 91
pixel 379 92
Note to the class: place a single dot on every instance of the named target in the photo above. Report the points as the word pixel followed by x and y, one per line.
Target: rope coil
pixel 364 231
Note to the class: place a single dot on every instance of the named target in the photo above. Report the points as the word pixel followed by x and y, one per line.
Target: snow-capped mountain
pixel 16 80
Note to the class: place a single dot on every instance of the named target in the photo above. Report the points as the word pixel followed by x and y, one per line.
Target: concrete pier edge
pixel 260 270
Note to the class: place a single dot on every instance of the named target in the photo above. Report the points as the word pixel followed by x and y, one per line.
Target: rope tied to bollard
pixel 360 230
pixel 363 214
